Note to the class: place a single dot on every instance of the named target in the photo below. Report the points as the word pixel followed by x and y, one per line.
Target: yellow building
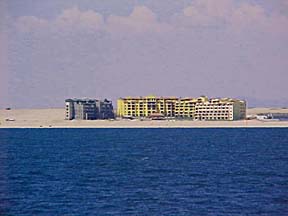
pixel 145 106
pixel 185 107
pixel 200 108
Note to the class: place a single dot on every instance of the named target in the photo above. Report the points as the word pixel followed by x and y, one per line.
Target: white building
pixel 220 109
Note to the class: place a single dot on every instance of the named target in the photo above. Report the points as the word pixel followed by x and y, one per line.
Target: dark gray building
pixel 105 108
pixel 88 109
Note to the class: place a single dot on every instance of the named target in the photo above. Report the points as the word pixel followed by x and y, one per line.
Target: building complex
pixel 88 109
pixel 200 108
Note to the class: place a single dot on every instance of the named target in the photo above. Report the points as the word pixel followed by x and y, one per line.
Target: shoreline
pixel 54 118
pixel 144 127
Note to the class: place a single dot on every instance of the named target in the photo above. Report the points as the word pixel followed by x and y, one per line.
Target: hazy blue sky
pixel 55 49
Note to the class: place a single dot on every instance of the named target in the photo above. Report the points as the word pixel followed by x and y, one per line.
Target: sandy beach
pixel 54 118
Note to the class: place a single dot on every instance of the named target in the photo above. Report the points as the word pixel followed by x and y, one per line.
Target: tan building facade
pixel 220 109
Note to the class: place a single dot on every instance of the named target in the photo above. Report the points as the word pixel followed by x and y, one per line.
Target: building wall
pixel 88 109
pixel 239 108
pixel 200 108
pixel 69 109
pixel 185 108
pixel 210 111
pixel 105 109
pixel 221 109
pixel 145 106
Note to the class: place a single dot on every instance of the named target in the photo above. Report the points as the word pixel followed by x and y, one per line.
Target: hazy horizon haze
pixel 58 49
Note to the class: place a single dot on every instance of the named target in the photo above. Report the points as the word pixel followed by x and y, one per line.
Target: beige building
pixel 220 109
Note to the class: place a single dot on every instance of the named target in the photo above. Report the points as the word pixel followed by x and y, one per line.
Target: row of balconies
pixel 209 114
pixel 216 118
pixel 161 107
pixel 179 108
pixel 186 110
pixel 179 111
pixel 148 108
pixel 213 111
pixel 180 104
pixel 182 113
pixel 213 107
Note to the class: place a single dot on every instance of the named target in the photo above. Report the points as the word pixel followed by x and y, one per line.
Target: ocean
pixel 144 172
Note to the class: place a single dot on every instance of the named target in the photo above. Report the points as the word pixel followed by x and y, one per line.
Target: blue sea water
pixel 144 172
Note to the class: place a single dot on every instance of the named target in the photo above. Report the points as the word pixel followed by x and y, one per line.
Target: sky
pixel 58 49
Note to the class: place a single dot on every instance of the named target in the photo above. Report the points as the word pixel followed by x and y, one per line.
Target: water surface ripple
pixel 144 172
